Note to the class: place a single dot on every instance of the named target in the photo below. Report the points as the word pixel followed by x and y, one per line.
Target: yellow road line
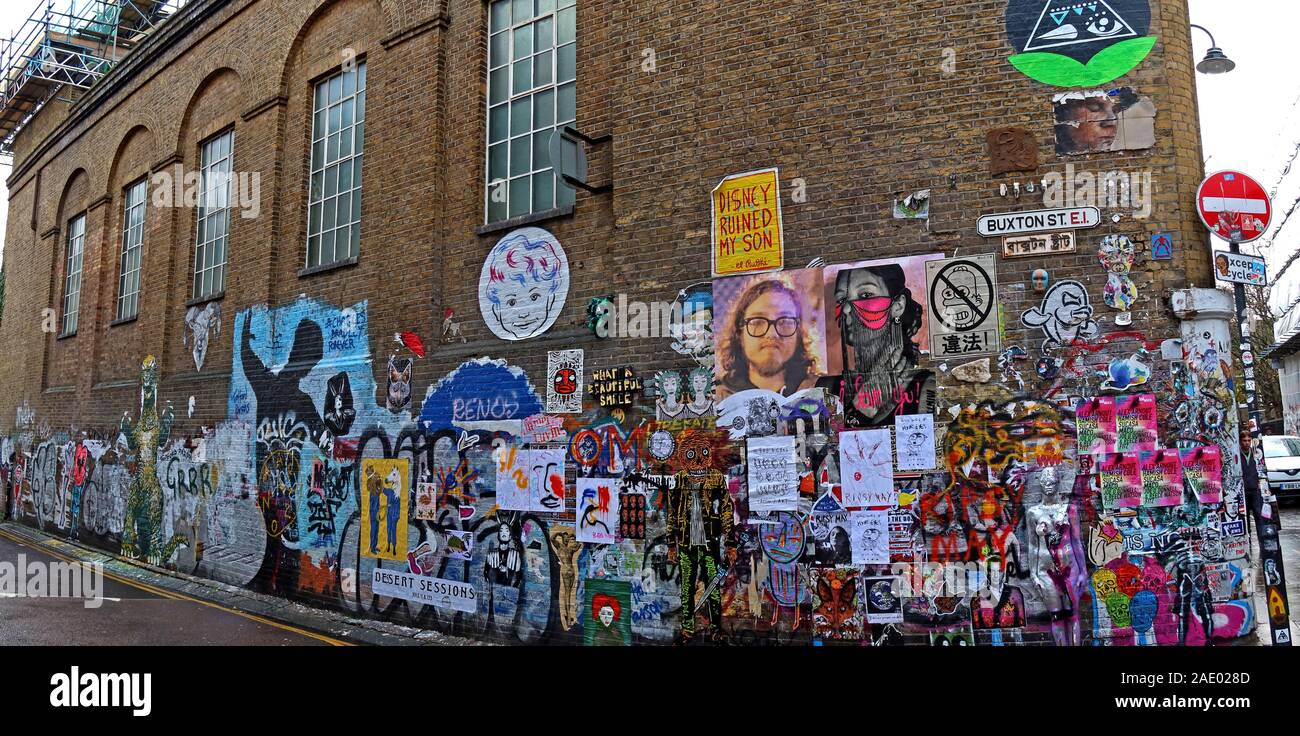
pixel 174 595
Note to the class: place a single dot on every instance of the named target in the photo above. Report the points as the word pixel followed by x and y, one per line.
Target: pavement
pixel 142 605
pixel 1289 536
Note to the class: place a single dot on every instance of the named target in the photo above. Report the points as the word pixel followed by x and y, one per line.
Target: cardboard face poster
pixel 597 510
pixel 870 537
pixel 564 389
pixel 385 495
pixel 773 474
pixel 915 433
pixel 608 613
pixel 867 468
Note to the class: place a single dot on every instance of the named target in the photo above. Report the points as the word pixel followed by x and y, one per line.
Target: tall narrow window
pixel 72 273
pixel 532 64
pixel 213 229
pixel 128 280
pixel 334 207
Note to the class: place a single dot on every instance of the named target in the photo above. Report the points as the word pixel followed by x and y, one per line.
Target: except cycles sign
pixel 1039 221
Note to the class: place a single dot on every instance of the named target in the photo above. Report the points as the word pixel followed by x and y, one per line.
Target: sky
pixel 1250 119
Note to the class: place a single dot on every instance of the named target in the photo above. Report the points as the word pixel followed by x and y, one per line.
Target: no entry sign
pixel 1234 206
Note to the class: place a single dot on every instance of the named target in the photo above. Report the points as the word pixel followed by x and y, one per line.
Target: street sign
pixel 1234 206
pixel 963 306
pixel 1239 268
pixel 1044 244
pixel 1039 221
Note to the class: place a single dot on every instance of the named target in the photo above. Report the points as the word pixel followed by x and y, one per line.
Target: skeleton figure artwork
pixel 700 518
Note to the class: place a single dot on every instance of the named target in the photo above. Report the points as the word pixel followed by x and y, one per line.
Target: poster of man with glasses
pixel 770 332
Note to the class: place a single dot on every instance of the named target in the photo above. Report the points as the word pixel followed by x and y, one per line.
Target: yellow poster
pixel 747 224
pixel 385 494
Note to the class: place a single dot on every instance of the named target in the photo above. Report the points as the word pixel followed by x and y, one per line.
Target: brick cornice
pixel 264 106
pixel 439 21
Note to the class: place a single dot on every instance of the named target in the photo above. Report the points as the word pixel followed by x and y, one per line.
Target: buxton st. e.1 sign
pixel 1038 221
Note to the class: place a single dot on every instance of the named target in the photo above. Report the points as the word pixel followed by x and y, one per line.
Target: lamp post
pixel 1254 471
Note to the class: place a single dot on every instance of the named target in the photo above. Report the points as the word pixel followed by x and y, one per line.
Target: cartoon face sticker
pixel 523 284
pixel 1065 315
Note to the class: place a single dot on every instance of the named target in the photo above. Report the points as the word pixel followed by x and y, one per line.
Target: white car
pixel 1282 456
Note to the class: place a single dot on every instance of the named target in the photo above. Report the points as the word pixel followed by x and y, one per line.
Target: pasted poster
pixel 608 613
pixel 512 477
pixel 612 387
pixel 1094 421
pixel 1162 478
pixel 1203 473
pixel 876 333
pixel 1130 471
pixel 867 468
pixel 426 500
pixel 915 441
pixel 832 538
pixel 546 479
pixel 773 474
pixel 1072 43
pixel 770 332
pixel 870 537
pixel 837 608
pixel 1110 479
pixel 1135 423
pixel 597 510
pixel 460 545
pixel 746 228
pixel 963 306
pixel 884 599
pixel 384 498
pixel 564 389
pixel 524 284
pixel 1097 121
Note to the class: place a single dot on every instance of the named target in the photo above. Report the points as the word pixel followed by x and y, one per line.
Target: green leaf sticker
pixel 1108 65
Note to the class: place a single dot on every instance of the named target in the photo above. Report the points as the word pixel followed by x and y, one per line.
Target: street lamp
pixel 1215 61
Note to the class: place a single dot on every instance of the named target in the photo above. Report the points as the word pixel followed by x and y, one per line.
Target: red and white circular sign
pixel 1234 206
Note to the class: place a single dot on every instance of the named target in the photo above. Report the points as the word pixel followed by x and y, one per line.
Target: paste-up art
pixel 564 390
pixel 1078 43
pixel 399 383
pixel 523 285
pixel 837 610
pixel 1065 315
pixel 1116 255
pixel 678 398
pixel 914 206
pixel 876 313
pixel 884 599
pixel 867 468
pixel 200 324
pixel 770 332
pixel 608 613
pixel 384 498
pixel 691 323
pixel 597 510
pixel 870 537
pixel 1162 247
pixel 1100 121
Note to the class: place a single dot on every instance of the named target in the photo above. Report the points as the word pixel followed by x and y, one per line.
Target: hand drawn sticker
pixel 1065 315
pixel 1078 43
pixel 523 284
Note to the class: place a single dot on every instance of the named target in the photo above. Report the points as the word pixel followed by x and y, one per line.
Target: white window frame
pixel 536 133
pixel 134 199
pixel 332 133
pixel 212 227
pixel 76 245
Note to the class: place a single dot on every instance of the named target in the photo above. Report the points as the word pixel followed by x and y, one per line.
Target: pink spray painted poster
pixel 1135 423
pixel 1094 421
pixel 1203 473
pixel 1111 478
pixel 1162 478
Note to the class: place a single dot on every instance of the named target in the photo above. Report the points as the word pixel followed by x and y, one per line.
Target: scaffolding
pixel 64 48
